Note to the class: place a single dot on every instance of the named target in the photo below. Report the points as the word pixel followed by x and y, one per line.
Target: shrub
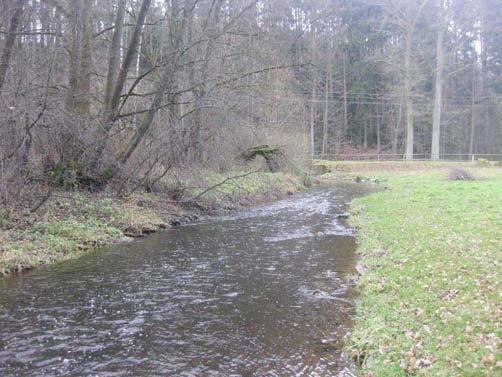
pixel 483 162
pixel 307 180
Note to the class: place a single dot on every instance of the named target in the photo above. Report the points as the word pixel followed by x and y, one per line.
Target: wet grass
pixel 431 262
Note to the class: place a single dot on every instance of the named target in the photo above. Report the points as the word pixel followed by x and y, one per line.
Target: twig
pixel 42 202
pixel 191 200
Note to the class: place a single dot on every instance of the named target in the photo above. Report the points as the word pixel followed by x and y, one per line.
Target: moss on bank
pixel 431 263
pixel 72 223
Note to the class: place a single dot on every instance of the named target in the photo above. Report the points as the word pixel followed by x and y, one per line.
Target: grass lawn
pixel 431 266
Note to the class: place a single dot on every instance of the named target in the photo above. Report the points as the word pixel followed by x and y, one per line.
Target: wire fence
pixel 402 157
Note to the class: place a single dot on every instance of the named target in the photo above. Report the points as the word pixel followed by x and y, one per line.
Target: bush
pixel 483 162
pixel 307 180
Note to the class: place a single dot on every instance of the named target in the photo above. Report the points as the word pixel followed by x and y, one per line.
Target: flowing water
pixel 264 292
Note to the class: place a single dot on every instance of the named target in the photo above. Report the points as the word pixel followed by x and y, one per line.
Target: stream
pixel 261 292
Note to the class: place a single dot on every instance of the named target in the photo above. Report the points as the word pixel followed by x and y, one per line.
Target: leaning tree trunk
pixel 166 81
pixel 270 154
pixel 113 105
pixel 114 54
pixel 112 169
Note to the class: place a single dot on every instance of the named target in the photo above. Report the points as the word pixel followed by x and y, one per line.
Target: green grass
pixel 431 260
pixel 53 240
pixel 70 225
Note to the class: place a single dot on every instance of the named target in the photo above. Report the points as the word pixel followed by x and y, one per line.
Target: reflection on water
pixel 258 293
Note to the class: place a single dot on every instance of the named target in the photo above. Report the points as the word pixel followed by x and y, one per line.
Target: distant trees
pixel 133 87
pixel 403 77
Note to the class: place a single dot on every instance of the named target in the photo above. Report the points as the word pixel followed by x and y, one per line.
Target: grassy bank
pixel 431 262
pixel 71 223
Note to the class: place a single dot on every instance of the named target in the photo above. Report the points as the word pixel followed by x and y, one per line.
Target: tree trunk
pixel 9 41
pixel 333 118
pixel 483 92
pixel 312 101
pixel 408 100
pixel 325 123
pixel 76 53
pixel 83 103
pixel 121 158
pixel 378 130
pixel 126 65
pixel 114 53
pixel 472 144
pixel 112 107
pixel 365 133
pixel 343 132
pixel 133 143
pixel 438 94
pixel 397 127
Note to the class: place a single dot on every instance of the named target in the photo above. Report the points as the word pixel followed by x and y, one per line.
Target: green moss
pixel 270 154
pixel 260 150
pixel 322 166
pixel 430 290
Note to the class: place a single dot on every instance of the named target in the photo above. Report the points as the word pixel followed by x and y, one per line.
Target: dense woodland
pixel 96 90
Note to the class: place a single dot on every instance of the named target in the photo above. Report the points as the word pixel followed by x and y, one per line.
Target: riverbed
pixel 263 292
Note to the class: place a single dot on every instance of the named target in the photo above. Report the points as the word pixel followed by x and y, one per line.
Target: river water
pixel 262 292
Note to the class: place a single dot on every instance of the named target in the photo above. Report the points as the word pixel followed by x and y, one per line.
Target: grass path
pixel 431 261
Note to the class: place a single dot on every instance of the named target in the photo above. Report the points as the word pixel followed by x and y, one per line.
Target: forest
pixel 95 91
pixel 250 188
